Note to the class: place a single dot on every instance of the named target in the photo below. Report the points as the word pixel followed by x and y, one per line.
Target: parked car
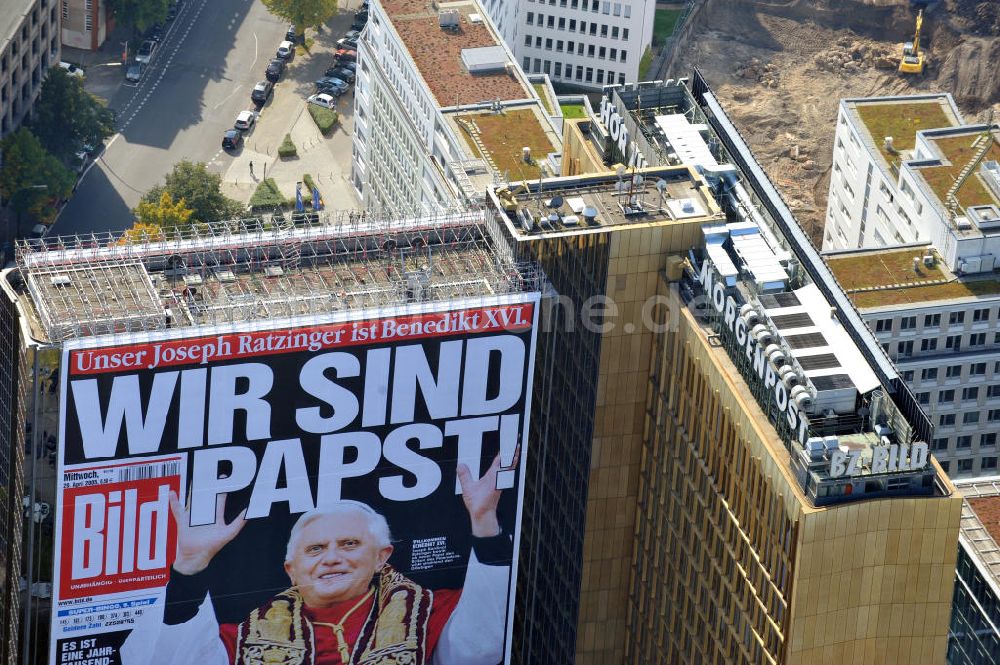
pixel 353 34
pixel 72 69
pixel 135 72
pixel 332 85
pixel 292 34
pixel 286 50
pixel 145 52
pixel 347 42
pixel 245 120
pixel 275 69
pixel 261 92
pixel 346 54
pixel 155 32
pixel 341 73
pixel 232 139
pixel 359 23
pixel 349 65
pixel 323 99
pixel 38 231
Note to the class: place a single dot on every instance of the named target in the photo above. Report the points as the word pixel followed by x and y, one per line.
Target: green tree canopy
pixel 67 117
pixel 140 14
pixel 303 13
pixel 165 213
pixel 201 191
pixel 26 167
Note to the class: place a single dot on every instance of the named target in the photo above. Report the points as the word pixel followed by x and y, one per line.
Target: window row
pixel 592 51
pixel 969 394
pixel 981 315
pixel 562 23
pixel 595 6
pixel 569 73
pixel 952 343
pixel 950 372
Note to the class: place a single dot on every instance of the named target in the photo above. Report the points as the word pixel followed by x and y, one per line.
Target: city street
pixel 199 79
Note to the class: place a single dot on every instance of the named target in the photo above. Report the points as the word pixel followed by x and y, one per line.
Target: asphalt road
pixel 200 78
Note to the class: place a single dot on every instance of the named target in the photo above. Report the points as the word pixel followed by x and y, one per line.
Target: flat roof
pixel 957 150
pixel 901 118
pixel 249 270
pixel 883 277
pixel 437 52
pixel 499 138
pixel 594 203
pixel 10 19
pixel 980 525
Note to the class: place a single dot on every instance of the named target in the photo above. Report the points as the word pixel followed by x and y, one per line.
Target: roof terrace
pixel 901 118
pixel 957 150
pixel 251 270
pixel 437 52
pixel 499 138
pixel 882 278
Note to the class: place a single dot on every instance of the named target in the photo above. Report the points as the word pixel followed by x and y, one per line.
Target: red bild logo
pixel 117 537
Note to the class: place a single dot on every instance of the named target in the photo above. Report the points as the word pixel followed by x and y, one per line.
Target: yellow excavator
pixel 912 61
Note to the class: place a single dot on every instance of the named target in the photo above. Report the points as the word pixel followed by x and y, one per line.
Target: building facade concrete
pixel 911 234
pixel 29 45
pixel 442 109
pixel 581 43
pixel 85 23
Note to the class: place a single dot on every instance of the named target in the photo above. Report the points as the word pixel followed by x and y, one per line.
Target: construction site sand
pixel 781 69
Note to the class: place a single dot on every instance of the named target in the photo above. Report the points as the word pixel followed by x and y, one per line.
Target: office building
pixel 911 236
pixel 442 110
pixel 722 465
pixel 974 636
pixel 719 529
pixel 85 23
pixel 29 45
pixel 585 44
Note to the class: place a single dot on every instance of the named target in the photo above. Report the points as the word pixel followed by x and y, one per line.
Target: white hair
pixel 378 528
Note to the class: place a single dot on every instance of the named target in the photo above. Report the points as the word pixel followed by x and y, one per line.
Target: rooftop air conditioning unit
pixel 929 260
pixel 775 355
pixel 762 334
pixel 802 398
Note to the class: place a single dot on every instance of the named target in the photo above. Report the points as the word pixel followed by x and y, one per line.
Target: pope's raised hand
pixel 197 545
pixel 482 496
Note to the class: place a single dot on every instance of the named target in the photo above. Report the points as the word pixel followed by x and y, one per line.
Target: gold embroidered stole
pixel 394 633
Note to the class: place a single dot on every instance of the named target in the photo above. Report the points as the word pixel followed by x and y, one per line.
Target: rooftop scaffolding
pixel 255 269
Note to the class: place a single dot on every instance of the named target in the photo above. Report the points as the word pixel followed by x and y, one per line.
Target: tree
pixel 164 214
pixel 303 13
pixel 140 14
pixel 67 117
pixel 201 191
pixel 644 63
pixel 27 166
pixel 140 233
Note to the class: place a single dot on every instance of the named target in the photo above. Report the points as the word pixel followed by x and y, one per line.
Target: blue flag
pixel 299 206
pixel 317 201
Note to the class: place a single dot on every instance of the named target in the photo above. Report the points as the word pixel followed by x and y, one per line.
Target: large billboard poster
pixel 347 491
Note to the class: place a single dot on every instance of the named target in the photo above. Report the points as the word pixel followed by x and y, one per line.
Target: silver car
pixel 135 72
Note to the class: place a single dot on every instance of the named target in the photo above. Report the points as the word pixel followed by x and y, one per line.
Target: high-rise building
pixel 580 43
pixel 719 462
pixel 911 220
pixel 442 110
pixel 724 519
pixel 29 45
pixel 974 636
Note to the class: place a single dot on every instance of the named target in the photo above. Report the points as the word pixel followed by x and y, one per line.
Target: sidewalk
pixel 326 159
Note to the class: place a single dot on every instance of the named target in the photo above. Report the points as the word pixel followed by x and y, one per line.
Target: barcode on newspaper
pixel 147 471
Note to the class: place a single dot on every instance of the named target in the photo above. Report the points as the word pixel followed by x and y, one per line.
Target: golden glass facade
pixel 732 564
